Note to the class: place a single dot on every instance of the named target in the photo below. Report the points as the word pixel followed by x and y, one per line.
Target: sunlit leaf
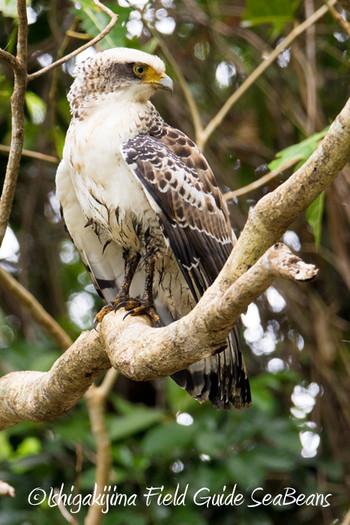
pixel 272 12
pixel 29 446
pixel 6 450
pixel 9 8
pixel 300 151
pixel 314 215
pixel 59 137
pixel 36 107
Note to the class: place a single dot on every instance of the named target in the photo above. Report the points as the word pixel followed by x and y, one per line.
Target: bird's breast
pixel 112 199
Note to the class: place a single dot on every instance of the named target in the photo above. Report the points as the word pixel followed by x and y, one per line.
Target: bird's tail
pixel 222 378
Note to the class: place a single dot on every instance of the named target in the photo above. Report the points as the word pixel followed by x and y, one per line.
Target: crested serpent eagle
pixel 143 208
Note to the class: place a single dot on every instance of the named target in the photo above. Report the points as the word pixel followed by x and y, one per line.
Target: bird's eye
pixel 139 71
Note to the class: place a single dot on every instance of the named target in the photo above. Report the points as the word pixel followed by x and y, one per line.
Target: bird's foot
pixel 140 307
pixel 132 306
pixel 113 306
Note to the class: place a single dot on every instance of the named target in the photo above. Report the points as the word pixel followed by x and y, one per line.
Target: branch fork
pixel 140 351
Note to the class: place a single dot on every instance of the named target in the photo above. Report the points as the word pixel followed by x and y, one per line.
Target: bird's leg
pixel 138 306
pixel 122 296
pixel 145 305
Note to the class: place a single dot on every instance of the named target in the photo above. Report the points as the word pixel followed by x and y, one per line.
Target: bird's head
pixel 131 71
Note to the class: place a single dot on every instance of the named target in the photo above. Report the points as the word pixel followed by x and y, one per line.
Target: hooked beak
pixel 165 82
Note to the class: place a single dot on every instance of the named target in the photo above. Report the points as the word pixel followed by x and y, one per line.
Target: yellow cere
pixel 147 74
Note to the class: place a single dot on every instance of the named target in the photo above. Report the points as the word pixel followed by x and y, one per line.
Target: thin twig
pixel 33 154
pixel 260 182
pixel 346 520
pixel 216 121
pixel 64 511
pixel 75 34
pixel 196 119
pixel 55 76
pixel 11 60
pixel 108 382
pixel 63 60
pixel 311 71
pixel 345 4
pixel 38 313
pixel 337 16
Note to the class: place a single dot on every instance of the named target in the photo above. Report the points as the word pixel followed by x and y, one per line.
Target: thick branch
pixel 42 396
pixel 277 210
pixel 143 353
pixel 138 350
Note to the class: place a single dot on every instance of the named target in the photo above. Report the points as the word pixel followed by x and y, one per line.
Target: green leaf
pixel 300 151
pixel 29 446
pixel 94 20
pixel 272 12
pixel 167 439
pixel 6 450
pixel 211 443
pixel 245 469
pixel 314 215
pixel 36 107
pixel 9 8
pixel 59 137
pixel 139 420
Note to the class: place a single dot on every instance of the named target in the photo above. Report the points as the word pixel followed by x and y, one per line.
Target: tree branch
pixel 32 154
pixel 298 30
pixel 38 313
pixel 21 78
pixel 278 209
pixel 63 60
pixel 19 67
pixel 261 181
pixel 6 490
pixel 345 4
pixel 346 520
pixel 96 401
pixel 42 396
pixel 139 351
pixel 338 17
pixel 196 118
pixel 142 352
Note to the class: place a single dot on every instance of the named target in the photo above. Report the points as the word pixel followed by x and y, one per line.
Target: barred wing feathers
pixel 182 190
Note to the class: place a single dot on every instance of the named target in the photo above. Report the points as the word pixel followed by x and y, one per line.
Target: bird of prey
pixel 143 208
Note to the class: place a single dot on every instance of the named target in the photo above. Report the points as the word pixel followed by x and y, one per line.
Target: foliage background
pixel 297 431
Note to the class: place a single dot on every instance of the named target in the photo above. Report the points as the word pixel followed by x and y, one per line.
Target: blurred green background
pixel 296 337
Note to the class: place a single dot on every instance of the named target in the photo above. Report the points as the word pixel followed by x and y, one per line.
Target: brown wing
pixel 191 211
pixel 194 219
